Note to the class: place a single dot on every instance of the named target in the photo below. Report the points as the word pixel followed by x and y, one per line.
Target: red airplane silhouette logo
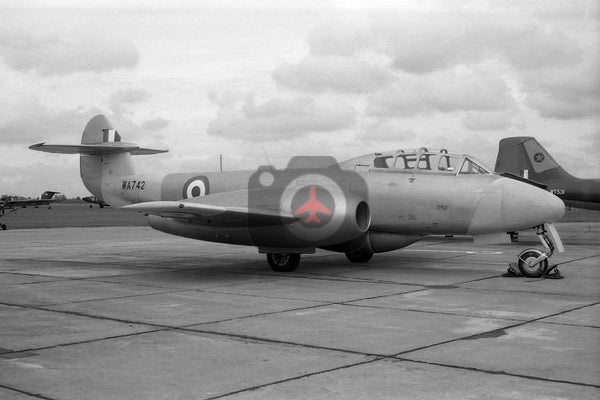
pixel 313 206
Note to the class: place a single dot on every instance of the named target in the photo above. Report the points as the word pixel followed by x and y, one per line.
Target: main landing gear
pixel 533 263
pixel 283 262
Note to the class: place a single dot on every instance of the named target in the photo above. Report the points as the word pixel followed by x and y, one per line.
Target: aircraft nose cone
pixel 525 206
pixel 509 205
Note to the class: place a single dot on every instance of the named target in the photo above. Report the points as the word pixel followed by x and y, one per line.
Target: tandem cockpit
pixel 420 160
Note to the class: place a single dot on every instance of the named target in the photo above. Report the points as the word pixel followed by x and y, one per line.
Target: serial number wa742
pixel 132 185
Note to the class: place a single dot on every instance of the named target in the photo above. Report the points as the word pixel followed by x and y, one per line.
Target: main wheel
pixel 283 262
pixel 359 257
pixel 533 271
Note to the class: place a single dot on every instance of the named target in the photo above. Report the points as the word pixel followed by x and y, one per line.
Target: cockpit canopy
pixel 421 160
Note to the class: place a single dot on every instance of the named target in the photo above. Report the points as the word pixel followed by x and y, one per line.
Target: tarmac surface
pixel 131 313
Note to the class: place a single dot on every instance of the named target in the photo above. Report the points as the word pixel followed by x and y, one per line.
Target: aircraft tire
pixel 359 257
pixel 535 271
pixel 283 262
pixel 3 226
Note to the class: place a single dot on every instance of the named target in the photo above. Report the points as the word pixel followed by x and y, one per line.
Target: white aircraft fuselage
pixel 379 202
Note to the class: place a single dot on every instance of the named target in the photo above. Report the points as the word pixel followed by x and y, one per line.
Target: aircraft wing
pixel 26 202
pixel 215 215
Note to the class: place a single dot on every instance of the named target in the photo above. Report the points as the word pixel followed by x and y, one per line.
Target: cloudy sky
pixel 285 78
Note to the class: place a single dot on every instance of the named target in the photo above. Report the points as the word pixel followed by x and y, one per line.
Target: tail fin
pixel 524 156
pixel 103 154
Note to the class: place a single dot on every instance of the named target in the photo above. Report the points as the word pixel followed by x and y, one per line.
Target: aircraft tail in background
pixel 48 195
pixel 525 157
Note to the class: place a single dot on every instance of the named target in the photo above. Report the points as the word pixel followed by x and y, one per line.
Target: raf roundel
pixel 195 187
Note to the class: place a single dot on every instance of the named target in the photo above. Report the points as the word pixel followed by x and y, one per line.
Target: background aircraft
pixel 378 202
pixel 94 200
pixel 525 157
pixel 15 202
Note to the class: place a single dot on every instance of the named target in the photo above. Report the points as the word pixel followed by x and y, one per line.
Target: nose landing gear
pixel 533 263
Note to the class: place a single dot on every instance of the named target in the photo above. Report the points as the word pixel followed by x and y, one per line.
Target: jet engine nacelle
pixel 350 219
pixel 375 242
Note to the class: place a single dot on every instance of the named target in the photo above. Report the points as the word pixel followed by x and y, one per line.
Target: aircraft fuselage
pixel 400 202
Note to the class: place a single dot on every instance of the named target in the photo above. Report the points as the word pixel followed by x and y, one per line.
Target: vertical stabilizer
pixel 104 159
pixel 95 168
pixel 99 130
pixel 524 156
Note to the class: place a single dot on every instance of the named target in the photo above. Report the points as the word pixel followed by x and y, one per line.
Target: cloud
pixel 426 41
pixel 129 96
pixel 564 93
pixel 54 55
pixel 387 131
pixel 453 42
pixel 117 100
pixel 336 73
pixel 279 119
pixel 344 37
pixel 489 120
pixel 35 123
pixel 550 106
pixel 551 54
pixel 155 124
pixel 459 89
pixel 29 121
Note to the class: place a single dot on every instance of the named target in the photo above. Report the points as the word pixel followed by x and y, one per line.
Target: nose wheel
pixel 533 263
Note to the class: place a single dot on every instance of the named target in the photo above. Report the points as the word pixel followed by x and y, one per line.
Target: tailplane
pixel 104 155
pixel 525 157
pixel 99 138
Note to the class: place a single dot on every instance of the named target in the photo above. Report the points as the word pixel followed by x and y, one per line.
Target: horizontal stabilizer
pixel 95 149
pixel 215 215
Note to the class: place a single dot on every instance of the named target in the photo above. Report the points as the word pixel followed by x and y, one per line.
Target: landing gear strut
pixel 533 263
pixel 283 262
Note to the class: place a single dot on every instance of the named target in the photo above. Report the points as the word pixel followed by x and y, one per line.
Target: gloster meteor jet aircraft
pixel 370 204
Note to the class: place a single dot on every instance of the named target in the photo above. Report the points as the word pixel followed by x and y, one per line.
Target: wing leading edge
pixel 211 214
